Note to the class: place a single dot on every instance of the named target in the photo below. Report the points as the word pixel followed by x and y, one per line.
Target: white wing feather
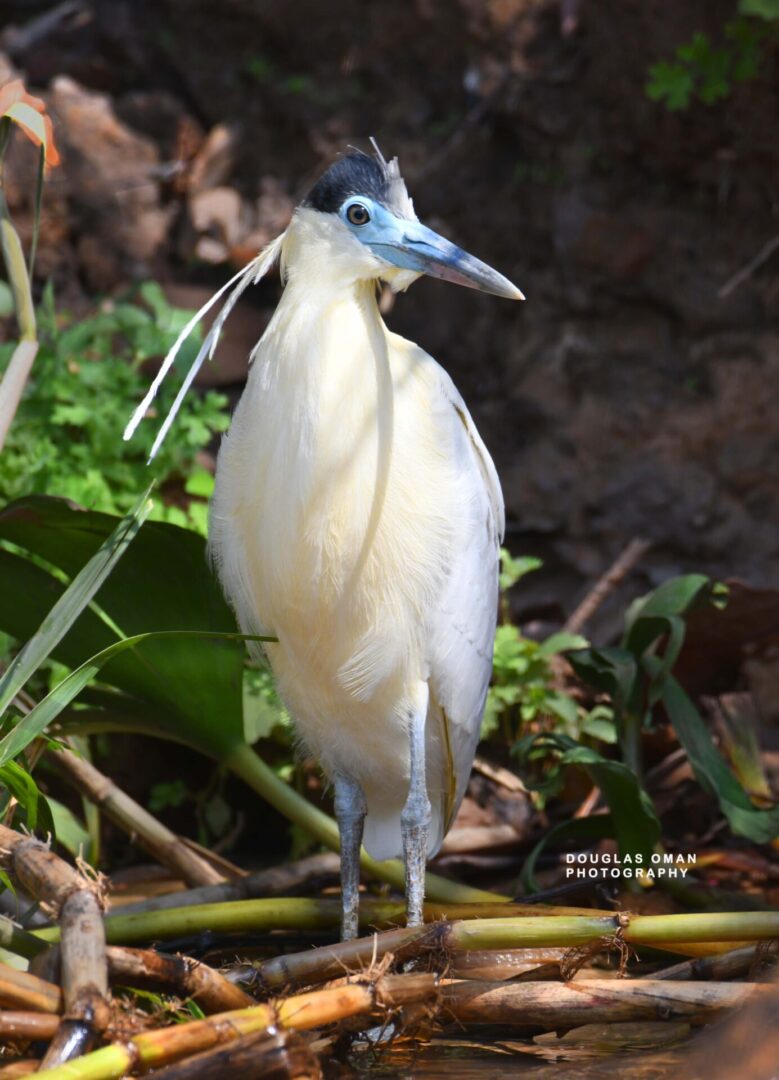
pixel 462 624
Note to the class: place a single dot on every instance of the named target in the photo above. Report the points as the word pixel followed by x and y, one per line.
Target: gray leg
pixel 415 819
pixel 350 810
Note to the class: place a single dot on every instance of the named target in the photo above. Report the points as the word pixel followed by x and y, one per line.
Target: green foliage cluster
pixel 524 688
pixel 66 439
pixel 703 70
pixel 637 676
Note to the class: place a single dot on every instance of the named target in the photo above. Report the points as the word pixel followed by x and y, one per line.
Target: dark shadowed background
pixel 631 395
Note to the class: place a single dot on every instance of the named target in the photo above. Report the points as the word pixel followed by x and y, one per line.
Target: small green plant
pixel 637 678
pixel 703 70
pixel 67 438
pixel 524 687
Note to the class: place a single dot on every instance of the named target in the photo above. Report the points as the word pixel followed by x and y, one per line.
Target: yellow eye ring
pixel 357 214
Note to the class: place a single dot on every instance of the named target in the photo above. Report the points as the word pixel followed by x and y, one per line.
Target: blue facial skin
pixel 412 246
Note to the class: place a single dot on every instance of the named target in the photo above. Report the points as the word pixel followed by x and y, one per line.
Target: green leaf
pixel 761 9
pixel 191 689
pixel 68 607
pixel 595 827
pixel 670 81
pixel 675 597
pixel 152 649
pixel 635 822
pixel 712 771
pixel 68 830
pixel 200 484
pixel 168 793
pixel 20 784
pixel 611 670
pixel 599 723
pixel 512 569
pixel 561 642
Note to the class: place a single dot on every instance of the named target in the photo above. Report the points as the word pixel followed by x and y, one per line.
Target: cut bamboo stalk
pixel 500 964
pixel 592 1001
pixel 151 1049
pixel 20 990
pixel 147 969
pixel 259 1056
pixel 296 913
pixel 301 877
pixel 347 957
pixel 727 965
pixel 21 1067
pixel 142 826
pixel 84 969
pixel 707 931
pixel 27 1025
pixel 84 979
pixel 43 874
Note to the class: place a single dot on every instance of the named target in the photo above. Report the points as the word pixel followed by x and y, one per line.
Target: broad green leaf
pixel 68 830
pixel 646 616
pixel 71 603
pixel 635 822
pixel 712 771
pixel 611 670
pixel 163 583
pixel 152 649
pixel 636 826
pixel 762 9
pixel 17 782
pixel 595 827
pixel 562 642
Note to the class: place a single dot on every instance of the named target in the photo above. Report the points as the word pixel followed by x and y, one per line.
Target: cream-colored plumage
pixel 357 516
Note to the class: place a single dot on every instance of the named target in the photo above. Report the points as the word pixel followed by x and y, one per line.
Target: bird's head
pixel 360 206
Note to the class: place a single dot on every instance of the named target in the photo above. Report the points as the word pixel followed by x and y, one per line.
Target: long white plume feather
pixel 250 275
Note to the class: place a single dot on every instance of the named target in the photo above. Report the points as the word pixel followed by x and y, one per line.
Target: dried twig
pixel 763 255
pixel 303 1012
pixel 77 902
pixel 28 1025
pixel 728 965
pixel 606 584
pixel 260 1056
pixel 180 975
pixel 21 990
pixel 296 877
pixel 129 815
pixel 592 1001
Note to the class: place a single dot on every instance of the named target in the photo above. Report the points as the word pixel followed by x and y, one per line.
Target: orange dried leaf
pixel 29 113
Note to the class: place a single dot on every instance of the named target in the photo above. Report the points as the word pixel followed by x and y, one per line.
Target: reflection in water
pixel 500 1058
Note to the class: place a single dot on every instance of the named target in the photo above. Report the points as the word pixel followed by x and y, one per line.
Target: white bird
pixel 357 517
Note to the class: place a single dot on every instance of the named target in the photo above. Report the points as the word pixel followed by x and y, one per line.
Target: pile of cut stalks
pixel 75 992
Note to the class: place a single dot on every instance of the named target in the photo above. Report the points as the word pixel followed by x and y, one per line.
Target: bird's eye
pixel 357 214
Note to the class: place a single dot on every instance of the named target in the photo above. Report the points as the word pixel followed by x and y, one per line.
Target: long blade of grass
pixel 38 719
pixel 36 220
pixel 76 597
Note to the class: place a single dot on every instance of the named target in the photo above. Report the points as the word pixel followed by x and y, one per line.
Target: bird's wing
pixel 462 623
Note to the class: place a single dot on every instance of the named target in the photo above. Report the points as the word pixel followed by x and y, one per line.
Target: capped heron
pixel 357 517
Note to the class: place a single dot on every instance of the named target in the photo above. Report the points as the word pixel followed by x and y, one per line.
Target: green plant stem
pixel 13 383
pixel 525 931
pixel 294 913
pixel 16 940
pixel 244 762
pixel 19 280
pixel 631 743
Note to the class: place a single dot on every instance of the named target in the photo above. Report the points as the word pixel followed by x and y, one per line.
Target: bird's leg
pixel 350 810
pixel 415 819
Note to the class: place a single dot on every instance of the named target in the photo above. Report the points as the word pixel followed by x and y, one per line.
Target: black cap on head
pixel 353 174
